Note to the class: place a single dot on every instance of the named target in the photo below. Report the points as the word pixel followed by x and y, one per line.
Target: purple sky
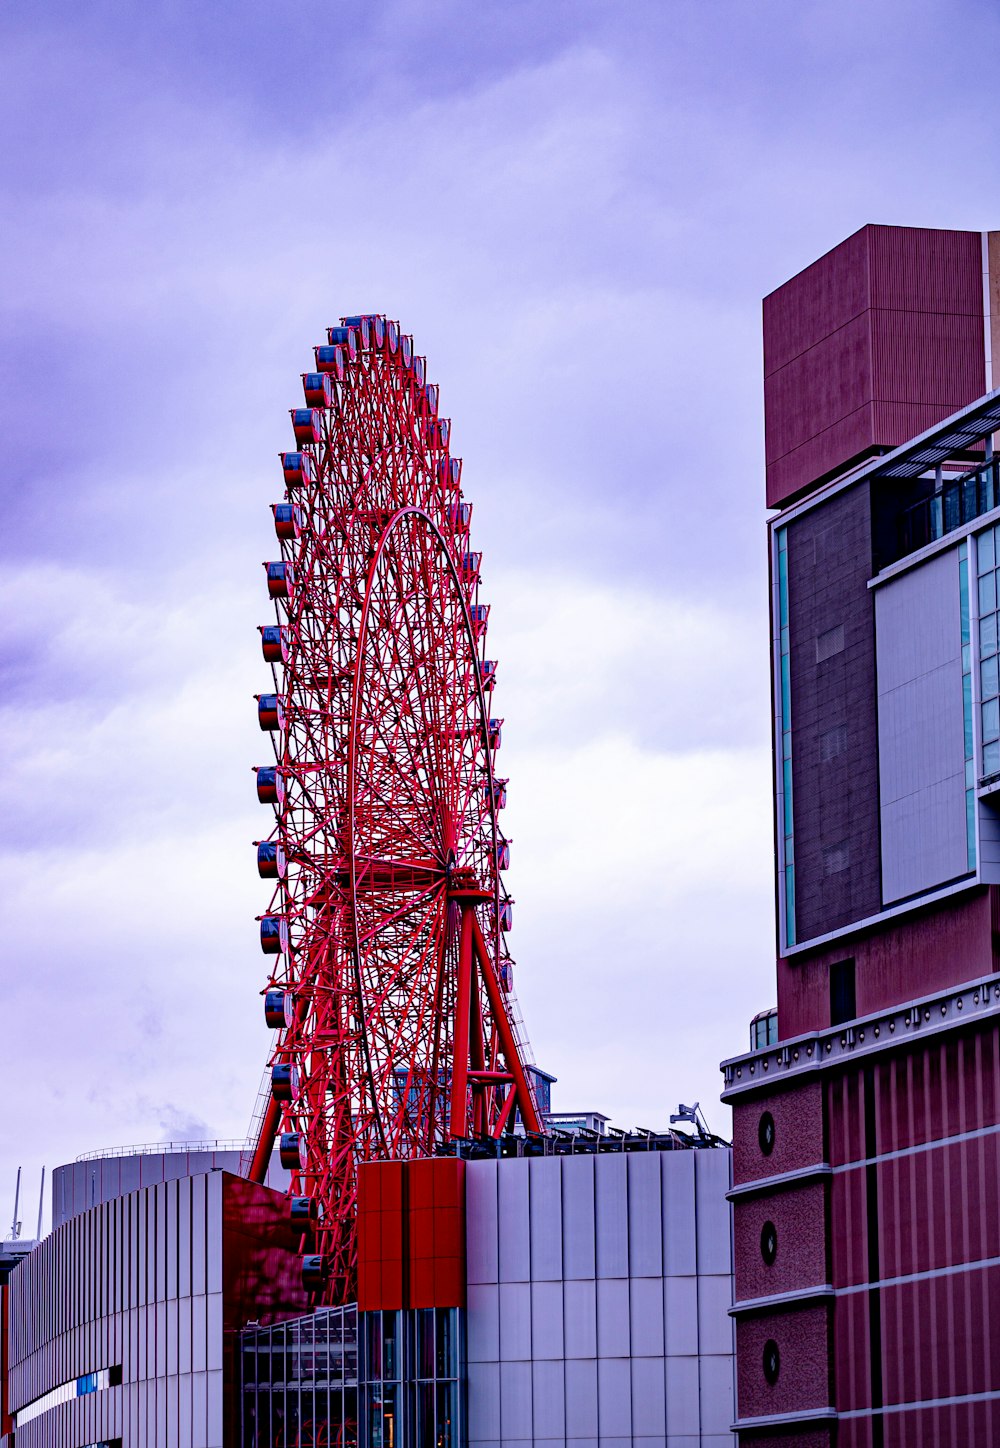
pixel 575 206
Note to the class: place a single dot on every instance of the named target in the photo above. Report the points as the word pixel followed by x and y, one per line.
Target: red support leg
pixel 265 1141
pixel 459 1123
pixel 508 1045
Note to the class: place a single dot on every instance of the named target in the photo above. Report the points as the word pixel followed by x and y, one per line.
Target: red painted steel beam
pixel 265 1142
pixel 512 1055
pixel 459 1120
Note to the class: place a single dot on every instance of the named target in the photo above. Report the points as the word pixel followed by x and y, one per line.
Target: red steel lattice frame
pixel 387 926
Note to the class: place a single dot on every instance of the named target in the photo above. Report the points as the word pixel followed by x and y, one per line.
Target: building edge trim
pixel 750 1306
pixel 969 881
pixel 932 1015
pixel 781 1420
pixel 760 1186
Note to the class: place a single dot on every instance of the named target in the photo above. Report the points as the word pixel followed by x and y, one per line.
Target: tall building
pixel 866 1172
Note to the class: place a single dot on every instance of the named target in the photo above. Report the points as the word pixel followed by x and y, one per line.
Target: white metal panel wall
pixel 80 1185
pixel 605 1323
pixel 135 1282
pixel 921 731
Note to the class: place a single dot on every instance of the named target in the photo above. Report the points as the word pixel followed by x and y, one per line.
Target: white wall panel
pixel 580 1318
pixel 548 1400
pixel 581 1398
pixel 547 1320
pixel 715 1326
pixel 649 1401
pixel 679 1255
pixel 579 1249
pixel 614 1398
pixel 515 1323
pixel 484 1402
pixel 680 1303
pixel 482 1232
pixel 921 728
pixel 713 1174
pixel 611 1194
pixel 646 1316
pixel 613 1336
pixel 483 1322
pixel 683 1401
pixel 515 1401
pixel 514 1222
pixel 545 1185
pixel 645 1215
pixel 717 1398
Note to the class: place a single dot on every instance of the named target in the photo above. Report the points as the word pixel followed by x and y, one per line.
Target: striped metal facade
pixel 598 1299
pixel 864 349
pixel 150 1288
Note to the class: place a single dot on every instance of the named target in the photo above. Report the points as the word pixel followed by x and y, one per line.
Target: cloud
pixel 576 211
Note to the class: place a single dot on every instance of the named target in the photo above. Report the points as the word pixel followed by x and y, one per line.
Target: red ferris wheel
pixel 390 990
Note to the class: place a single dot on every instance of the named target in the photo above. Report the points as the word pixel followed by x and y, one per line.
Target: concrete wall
pixel 598 1297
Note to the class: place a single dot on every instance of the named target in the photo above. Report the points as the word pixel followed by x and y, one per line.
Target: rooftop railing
pixel 161 1148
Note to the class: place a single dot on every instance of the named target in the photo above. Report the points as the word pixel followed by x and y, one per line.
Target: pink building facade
pixel 866 1154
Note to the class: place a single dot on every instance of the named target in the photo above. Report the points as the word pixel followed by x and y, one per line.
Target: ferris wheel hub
pixel 464 887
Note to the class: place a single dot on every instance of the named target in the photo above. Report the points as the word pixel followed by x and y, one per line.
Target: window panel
pixel 991 720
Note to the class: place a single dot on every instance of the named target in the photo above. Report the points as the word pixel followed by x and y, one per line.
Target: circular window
pixel 772 1361
pixel 765 1133
pixel 769 1242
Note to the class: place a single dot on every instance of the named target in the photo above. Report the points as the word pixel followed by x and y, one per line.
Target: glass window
pixel 373 1344
pixel 425 1415
pixel 447 1400
pixel 987 593
pixel 991 758
pixel 425 1342
pixel 446 1355
pixel 989 677
pixel 390 1345
pixel 383 1416
pixel 986 551
pixel 991 720
pixel 988 634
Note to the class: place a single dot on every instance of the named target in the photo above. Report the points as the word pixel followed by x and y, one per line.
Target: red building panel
pixel 797 1115
pixel 788 1226
pixel 803 1380
pixel 868 346
pixel 851 1353
pixel 945 945
pixel 411 1234
pixel 938 1337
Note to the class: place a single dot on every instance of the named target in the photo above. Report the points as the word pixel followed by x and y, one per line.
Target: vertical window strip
pixel 989 684
pixel 970 764
pixel 787 831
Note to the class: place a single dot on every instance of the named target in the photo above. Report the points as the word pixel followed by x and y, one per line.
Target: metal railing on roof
pixel 161 1148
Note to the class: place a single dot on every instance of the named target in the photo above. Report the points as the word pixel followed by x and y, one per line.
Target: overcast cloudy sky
pixel 575 206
